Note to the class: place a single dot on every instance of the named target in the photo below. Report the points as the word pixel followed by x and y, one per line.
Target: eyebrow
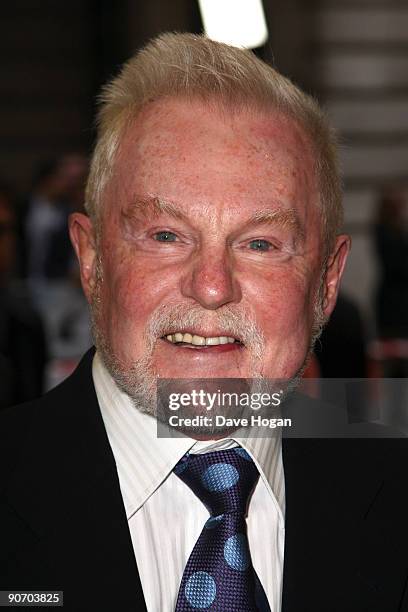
pixel 146 207
pixel 285 217
pixel 155 206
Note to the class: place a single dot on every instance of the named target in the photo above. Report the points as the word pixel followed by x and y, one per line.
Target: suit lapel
pixel 68 492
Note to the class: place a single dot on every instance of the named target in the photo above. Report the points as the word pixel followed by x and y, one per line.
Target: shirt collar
pixel 144 461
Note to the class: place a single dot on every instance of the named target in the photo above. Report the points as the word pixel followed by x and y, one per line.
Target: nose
pixel 210 279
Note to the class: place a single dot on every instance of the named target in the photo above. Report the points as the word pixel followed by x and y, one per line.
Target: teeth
pixel 212 341
pixel 199 340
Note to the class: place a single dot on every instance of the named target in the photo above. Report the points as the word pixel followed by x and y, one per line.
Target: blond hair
pixel 192 66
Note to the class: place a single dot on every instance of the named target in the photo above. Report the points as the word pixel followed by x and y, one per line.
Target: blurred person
pixel 57 191
pixel 47 213
pixel 22 339
pixel 211 247
pixel 341 350
pixel 341 353
pixel 391 243
pixel 7 233
pixel 72 170
pixel 53 271
pixel 390 350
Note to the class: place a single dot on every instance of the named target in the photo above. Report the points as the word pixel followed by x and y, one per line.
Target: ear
pixel 82 236
pixel 334 272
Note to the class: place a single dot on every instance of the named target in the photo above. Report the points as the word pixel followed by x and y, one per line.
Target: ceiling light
pixel 240 23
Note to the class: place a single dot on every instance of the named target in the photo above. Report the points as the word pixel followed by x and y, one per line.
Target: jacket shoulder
pixel 24 426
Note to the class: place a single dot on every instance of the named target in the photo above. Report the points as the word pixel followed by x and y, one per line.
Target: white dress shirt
pixel 165 517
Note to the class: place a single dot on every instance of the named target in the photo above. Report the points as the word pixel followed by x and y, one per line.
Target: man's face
pixel 211 228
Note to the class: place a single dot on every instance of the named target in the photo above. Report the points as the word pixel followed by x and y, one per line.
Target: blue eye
pixel 165 236
pixel 260 245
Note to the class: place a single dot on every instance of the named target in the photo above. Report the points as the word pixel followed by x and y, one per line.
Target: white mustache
pixel 239 324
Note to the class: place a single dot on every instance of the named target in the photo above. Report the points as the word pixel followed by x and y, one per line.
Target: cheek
pixel 126 296
pixel 123 315
pixel 283 304
pixel 286 316
pixel 131 292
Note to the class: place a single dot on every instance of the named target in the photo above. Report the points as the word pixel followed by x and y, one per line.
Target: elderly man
pixel 211 249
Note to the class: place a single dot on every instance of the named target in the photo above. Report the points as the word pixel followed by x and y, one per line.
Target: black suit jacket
pixel 63 524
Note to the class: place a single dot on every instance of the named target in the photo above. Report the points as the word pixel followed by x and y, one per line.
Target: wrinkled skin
pixel 214 173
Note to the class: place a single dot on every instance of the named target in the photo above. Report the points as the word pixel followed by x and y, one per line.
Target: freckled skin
pixel 219 171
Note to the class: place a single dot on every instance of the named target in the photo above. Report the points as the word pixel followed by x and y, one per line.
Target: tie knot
pixel 222 480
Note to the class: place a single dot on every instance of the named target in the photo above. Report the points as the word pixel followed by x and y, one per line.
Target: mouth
pixel 210 343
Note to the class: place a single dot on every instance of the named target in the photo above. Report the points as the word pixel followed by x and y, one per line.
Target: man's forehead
pixel 195 138
pixel 206 168
pixel 214 117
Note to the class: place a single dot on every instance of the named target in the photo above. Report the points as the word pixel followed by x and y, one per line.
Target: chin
pixel 180 371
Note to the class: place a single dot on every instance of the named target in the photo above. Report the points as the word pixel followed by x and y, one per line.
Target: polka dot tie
pixel 219 576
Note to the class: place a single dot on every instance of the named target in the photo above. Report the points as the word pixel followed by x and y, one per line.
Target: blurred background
pixel 350 54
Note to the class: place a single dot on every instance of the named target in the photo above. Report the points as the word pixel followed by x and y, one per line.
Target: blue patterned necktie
pixel 219 576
